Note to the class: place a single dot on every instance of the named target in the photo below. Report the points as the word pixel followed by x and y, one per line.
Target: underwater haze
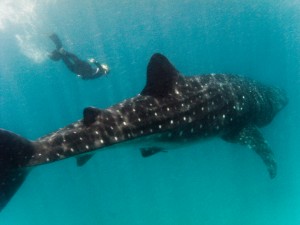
pixel 212 183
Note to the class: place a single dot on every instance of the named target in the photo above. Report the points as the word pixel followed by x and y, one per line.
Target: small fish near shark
pixel 171 109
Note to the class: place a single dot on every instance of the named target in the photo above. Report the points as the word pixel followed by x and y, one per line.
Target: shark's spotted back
pixel 170 109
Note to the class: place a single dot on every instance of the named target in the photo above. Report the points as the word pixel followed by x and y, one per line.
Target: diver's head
pixel 105 69
pixel 102 68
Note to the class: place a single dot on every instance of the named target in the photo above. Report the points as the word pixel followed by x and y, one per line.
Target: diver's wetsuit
pixel 80 67
pixel 74 64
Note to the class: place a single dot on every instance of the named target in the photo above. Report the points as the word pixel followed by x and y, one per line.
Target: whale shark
pixel 171 111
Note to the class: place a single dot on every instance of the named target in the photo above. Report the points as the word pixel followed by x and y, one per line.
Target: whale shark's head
pixel 279 99
pixel 275 101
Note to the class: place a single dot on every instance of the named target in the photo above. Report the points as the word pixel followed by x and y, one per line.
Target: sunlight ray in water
pixel 16 13
pixel 22 20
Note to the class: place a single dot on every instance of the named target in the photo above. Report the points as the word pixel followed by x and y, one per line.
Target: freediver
pixel 89 69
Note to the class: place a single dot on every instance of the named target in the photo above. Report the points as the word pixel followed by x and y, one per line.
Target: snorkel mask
pixel 105 68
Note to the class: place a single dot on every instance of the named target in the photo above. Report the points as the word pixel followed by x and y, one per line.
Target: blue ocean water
pixel 214 183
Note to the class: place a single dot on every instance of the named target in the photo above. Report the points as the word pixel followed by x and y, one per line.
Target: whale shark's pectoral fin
pixel 82 160
pixel 90 114
pixel 254 139
pixel 146 152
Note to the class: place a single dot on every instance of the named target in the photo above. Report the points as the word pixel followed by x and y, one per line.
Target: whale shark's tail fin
pixel 15 152
pixel 10 183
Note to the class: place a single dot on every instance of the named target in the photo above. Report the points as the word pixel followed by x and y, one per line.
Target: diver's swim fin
pixel 56 40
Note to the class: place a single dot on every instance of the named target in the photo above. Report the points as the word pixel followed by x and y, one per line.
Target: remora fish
pixel 171 108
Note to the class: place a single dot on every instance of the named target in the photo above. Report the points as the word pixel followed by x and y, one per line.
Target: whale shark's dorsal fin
pixel 90 114
pixel 161 77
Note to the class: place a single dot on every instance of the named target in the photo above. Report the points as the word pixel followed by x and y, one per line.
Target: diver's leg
pixel 54 55
pixel 73 63
pixel 71 56
pixel 69 63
